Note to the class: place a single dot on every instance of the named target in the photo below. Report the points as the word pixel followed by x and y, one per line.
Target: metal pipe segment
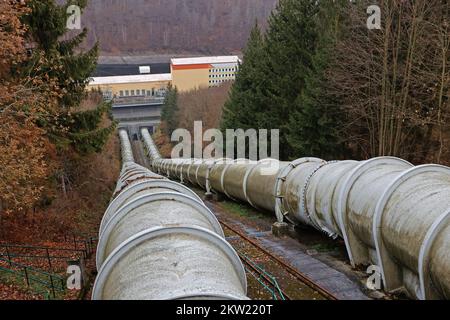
pixel 158 240
pixel 127 151
pixel 390 213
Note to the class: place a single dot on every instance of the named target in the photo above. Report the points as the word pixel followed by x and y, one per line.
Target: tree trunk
pixel 63 185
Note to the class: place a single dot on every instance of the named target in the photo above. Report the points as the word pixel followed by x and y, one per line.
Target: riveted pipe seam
pixel 281 178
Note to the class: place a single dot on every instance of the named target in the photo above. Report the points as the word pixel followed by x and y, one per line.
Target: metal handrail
pixel 137 100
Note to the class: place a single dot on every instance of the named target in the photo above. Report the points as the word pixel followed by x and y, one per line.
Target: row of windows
pixel 221 75
pixel 223 70
pixel 218 81
pixel 125 93
pixel 143 92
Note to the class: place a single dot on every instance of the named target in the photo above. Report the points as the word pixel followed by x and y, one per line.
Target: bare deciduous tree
pixel 394 82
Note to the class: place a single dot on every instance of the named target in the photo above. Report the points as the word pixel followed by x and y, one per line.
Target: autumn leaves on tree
pixel 25 151
pixel 42 82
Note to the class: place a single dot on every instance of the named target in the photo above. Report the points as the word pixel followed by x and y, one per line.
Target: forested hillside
pixel 173 26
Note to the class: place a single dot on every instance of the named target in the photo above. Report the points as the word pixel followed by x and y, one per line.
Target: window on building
pixel 107 95
pixel 121 93
pixel 127 93
pixel 132 92
pixel 138 92
pixel 149 93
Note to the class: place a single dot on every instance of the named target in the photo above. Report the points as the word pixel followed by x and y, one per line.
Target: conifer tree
pixel 62 60
pixel 244 106
pixel 290 43
pixel 169 111
pixel 314 124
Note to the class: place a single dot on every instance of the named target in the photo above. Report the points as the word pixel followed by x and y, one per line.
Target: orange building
pixel 203 72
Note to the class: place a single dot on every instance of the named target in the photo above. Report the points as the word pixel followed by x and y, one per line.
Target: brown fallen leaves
pixel 14 292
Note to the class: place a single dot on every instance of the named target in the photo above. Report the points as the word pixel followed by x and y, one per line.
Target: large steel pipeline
pixel 390 213
pixel 158 241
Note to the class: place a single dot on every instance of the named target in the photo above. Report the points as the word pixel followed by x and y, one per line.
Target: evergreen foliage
pixel 169 111
pixel 290 42
pixel 243 108
pixel 72 69
pixel 316 120
pixel 281 82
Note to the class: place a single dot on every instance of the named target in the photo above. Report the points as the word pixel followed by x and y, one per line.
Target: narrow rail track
pixel 289 269
pixel 267 280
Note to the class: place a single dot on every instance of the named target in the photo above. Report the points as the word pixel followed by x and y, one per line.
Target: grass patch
pixel 325 247
pixel 241 210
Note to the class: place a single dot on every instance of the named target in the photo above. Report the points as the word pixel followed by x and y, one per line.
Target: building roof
pixel 131 79
pixel 108 70
pixel 204 60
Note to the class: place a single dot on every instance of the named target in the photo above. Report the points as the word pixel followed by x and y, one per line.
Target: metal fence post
pixel 48 259
pixel 8 255
pixel 26 276
pixel 53 287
